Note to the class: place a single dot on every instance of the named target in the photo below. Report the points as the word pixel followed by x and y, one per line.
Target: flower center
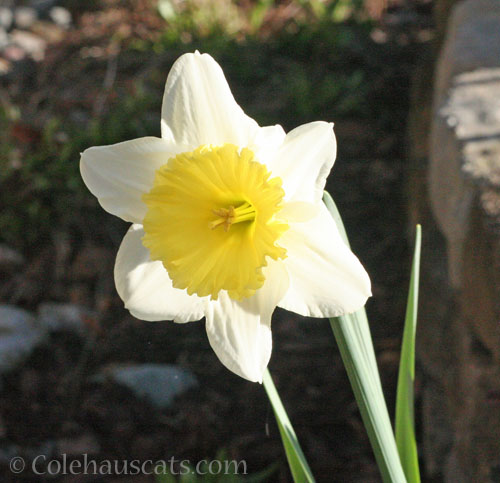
pixel 230 215
pixel 211 220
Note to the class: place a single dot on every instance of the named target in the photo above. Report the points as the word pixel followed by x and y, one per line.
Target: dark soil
pixel 52 398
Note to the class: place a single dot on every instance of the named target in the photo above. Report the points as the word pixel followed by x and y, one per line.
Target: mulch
pixel 52 398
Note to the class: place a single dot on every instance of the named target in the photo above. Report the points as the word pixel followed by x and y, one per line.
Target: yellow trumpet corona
pixel 212 222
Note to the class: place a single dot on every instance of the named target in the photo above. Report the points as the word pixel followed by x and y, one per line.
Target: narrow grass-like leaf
pixel 405 418
pixel 356 348
pixel 296 460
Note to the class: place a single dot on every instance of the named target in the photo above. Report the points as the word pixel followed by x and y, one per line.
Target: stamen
pixel 230 215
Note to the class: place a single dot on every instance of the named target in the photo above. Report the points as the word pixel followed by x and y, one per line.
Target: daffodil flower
pixel 228 219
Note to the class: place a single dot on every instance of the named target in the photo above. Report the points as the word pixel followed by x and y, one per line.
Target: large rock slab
pixel 459 331
pixel 472 41
pixel 466 126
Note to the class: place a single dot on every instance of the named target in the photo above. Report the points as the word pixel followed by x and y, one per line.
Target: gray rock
pixel 19 335
pixel 472 41
pixel 4 38
pixel 45 448
pixel 25 17
pixel 10 450
pixel 458 203
pixel 7 451
pixel 466 121
pixel 55 317
pixel 6 18
pixel 158 383
pixel 473 112
pixel 31 43
pixel 86 443
pixel 61 16
pixel 10 259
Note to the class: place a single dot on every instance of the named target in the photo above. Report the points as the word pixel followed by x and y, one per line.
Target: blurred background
pixel 82 376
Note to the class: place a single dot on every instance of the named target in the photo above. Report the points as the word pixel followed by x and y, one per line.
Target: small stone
pixel 49 31
pixel 84 444
pixel 9 258
pixel 25 17
pixel 6 17
pixel 14 53
pixel 4 38
pixel 5 66
pixel 7 452
pixel 58 317
pixel 32 44
pixel 19 335
pixel 61 16
pixel 158 383
pixel 45 448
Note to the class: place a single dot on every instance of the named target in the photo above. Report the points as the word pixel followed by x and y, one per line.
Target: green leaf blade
pixel 354 340
pixel 405 417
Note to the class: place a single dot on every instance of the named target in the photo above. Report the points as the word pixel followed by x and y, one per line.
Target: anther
pixel 228 216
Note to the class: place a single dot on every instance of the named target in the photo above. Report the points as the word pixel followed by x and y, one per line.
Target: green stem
pixel 296 460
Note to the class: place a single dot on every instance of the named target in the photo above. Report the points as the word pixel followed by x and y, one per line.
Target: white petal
pixel 145 286
pixel 304 161
pixel 326 278
pixel 267 142
pixel 119 174
pixel 198 107
pixel 298 211
pixel 240 332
